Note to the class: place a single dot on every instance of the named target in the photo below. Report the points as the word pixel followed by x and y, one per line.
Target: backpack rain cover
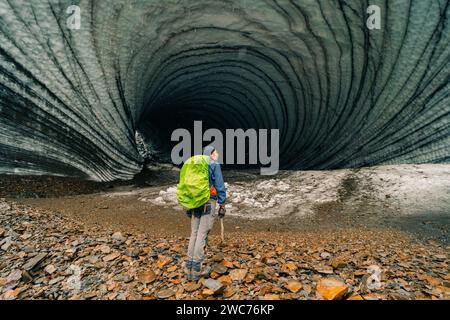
pixel 193 188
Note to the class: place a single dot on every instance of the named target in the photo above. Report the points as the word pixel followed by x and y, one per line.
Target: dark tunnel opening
pixel 225 88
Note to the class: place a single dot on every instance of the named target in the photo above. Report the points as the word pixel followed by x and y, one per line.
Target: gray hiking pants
pixel 200 228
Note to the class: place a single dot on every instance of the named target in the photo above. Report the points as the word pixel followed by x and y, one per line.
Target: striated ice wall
pixel 342 95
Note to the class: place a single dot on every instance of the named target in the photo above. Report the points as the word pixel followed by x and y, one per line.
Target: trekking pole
pixel 222 231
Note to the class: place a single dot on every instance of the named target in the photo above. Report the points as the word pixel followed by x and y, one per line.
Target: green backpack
pixel 193 189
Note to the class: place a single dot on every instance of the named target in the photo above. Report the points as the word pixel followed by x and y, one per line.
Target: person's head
pixel 212 152
pixel 215 155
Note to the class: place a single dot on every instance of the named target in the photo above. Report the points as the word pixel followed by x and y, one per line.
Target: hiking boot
pixel 195 275
pixel 188 270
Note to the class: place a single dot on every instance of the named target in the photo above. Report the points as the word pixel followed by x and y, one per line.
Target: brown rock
pixel 338 263
pixel 173 275
pixel 433 281
pixel 13 278
pixel 439 257
pixel 90 295
pixel 225 279
pixel 400 295
pixel 228 292
pixel 163 261
pixel 164 294
pixel 25 236
pixel 111 257
pixel 172 268
pixel 266 289
pixel 250 277
pixel 162 245
pixel 293 286
pixel 277 290
pixel 227 264
pixel 269 261
pixel 331 289
pixel 219 268
pixel 218 257
pixel 112 286
pixel 11 294
pixel 290 266
pixel 207 292
pixel 26 277
pixel 324 269
pixel 147 277
pixel 374 296
pixel 238 274
pixel 70 252
pixel 105 249
pixel 307 288
pixel 192 286
pixel 270 296
pixel 178 248
pixel 355 297
pixel 441 291
pixel 55 280
pixel 50 269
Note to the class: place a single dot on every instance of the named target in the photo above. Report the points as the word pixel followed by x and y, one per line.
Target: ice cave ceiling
pixel 341 95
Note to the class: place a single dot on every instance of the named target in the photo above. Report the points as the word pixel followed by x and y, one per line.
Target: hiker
pixel 202 218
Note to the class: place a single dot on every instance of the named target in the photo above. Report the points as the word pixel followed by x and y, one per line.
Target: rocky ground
pixel 129 241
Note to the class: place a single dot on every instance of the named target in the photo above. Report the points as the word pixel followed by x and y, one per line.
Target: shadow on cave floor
pixel 356 206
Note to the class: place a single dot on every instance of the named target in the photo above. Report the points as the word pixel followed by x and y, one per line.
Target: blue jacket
pixel 216 180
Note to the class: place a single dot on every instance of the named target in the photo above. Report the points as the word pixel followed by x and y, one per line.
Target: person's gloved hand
pixel 221 211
